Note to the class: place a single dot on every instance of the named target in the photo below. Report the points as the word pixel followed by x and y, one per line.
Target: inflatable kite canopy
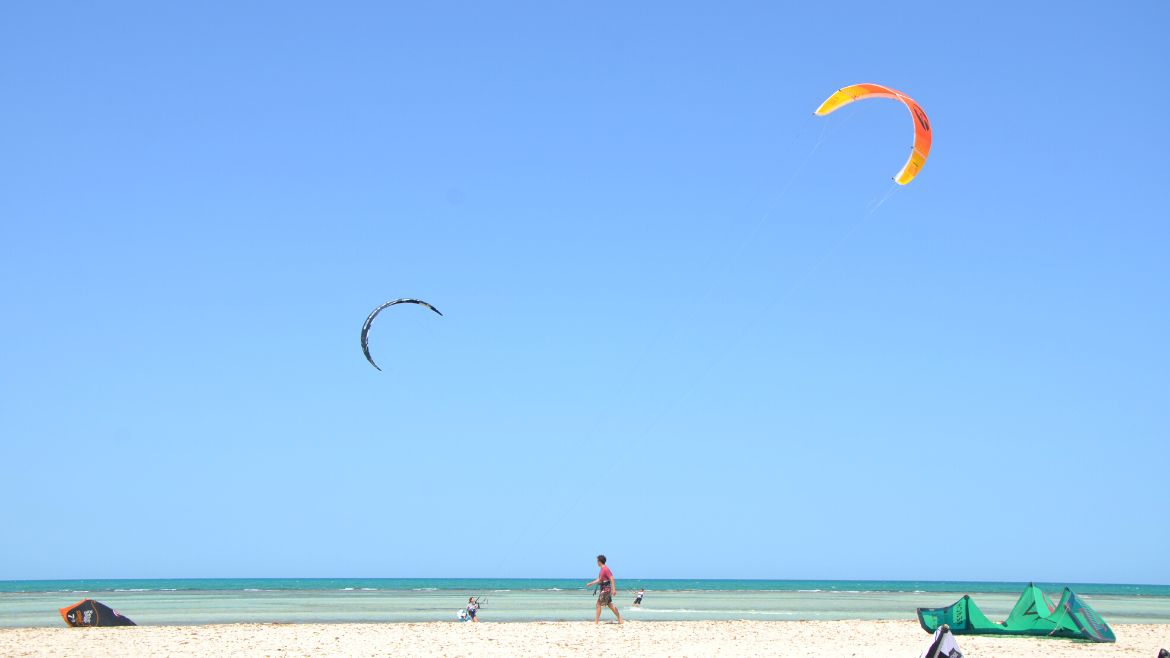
pixel 1033 614
pixel 370 321
pixel 921 148
pixel 88 612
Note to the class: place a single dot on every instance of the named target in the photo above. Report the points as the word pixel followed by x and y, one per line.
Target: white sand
pixel 868 639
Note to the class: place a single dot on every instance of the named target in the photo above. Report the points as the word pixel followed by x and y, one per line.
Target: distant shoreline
pixel 98 585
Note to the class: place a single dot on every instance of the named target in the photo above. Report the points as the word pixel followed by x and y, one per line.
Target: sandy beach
pixel 871 639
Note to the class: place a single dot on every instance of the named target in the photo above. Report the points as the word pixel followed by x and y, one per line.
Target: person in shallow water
pixel 608 587
pixel 638 597
pixel 472 608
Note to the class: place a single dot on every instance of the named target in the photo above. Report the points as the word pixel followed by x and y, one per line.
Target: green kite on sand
pixel 1033 614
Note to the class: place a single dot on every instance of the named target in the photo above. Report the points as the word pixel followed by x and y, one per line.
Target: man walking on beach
pixel 608 588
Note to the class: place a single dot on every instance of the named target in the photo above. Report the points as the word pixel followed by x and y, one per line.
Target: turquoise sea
pixel 289 600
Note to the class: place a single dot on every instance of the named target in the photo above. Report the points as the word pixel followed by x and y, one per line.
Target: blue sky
pixel 673 331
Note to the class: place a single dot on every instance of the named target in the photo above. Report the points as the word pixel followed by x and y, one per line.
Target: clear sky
pixel 674 333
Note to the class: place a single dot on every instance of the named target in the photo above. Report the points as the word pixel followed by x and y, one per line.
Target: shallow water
pixel 211 601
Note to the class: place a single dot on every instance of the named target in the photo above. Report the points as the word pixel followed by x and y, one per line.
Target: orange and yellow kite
pixel 921 147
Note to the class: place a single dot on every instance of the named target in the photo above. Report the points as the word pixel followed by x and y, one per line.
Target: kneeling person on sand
pixel 608 586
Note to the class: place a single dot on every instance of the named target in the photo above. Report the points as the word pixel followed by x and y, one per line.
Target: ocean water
pixel 217 601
